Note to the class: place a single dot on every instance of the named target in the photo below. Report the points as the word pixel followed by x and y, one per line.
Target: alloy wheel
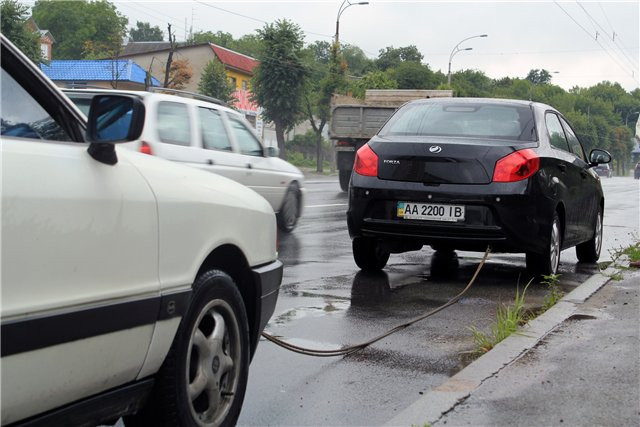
pixel 213 363
pixel 554 250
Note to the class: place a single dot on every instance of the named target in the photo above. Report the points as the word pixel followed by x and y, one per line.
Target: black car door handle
pixel 210 162
pixel 249 166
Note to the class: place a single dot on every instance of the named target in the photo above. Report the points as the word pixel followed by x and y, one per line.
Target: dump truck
pixel 354 121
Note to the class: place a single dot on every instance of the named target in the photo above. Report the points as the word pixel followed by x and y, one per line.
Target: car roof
pixel 473 101
pixel 151 95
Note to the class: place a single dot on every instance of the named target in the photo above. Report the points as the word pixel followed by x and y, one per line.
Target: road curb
pixel 440 400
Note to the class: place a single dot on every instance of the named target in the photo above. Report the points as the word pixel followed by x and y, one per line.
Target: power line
pixel 611 37
pixel 596 40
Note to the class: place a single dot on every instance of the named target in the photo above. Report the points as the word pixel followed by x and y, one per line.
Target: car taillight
pixel 145 148
pixel 366 161
pixel 516 166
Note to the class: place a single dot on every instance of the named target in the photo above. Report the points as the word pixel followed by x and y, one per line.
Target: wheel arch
pixel 230 259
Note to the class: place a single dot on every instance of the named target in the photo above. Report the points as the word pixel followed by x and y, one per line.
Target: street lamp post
pixel 345 4
pixel 456 49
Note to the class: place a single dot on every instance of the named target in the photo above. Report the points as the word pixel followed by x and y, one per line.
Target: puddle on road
pixel 326 307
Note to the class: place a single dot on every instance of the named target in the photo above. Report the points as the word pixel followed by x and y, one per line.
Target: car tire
pixel 202 381
pixel 547 262
pixel 589 251
pixel 289 212
pixel 344 175
pixel 369 254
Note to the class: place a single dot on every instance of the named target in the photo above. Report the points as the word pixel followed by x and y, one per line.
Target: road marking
pixel 325 206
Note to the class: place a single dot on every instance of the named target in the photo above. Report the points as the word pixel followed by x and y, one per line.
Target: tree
pixel 539 77
pixel 413 75
pixel 180 74
pixel 81 28
pixel 391 57
pixel 372 80
pixel 320 51
pixel 214 81
pixel 279 80
pixel 13 18
pixel 357 62
pixel 146 33
pixel 172 48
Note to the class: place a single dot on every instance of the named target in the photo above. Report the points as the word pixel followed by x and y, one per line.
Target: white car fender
pixel 219 206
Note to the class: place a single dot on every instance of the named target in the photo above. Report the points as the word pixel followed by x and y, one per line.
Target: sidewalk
pixel 584 370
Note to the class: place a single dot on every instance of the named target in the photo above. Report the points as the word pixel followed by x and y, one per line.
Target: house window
pixel 244 85
pixel 233 82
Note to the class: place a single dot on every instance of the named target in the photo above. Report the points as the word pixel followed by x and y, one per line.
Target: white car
pixel 214 138
pixel 131 286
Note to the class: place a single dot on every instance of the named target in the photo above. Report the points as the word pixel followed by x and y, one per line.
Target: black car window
pixel 468 119
pixel 24 117
pixel 247 142
pixel 214 136
pixel 174 126
pixel 556 134
pixel 574 143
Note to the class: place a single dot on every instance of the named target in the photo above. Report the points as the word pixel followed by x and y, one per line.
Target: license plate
pixel 430 211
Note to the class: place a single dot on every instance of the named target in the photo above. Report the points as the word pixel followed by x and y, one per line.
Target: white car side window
pixel 214 136
pixel 23 117
pixel 247 142
pixel 174 126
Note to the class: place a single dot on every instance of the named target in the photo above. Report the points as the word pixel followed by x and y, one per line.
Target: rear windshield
pixel 480 120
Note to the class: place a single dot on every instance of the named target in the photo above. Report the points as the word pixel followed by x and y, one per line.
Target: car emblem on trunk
pixel 435 149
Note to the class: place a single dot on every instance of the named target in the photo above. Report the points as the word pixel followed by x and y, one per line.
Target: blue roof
pixel 103 70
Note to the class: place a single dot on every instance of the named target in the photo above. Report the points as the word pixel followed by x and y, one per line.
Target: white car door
pixel 262 177
pixel 80 289
pixel 217 154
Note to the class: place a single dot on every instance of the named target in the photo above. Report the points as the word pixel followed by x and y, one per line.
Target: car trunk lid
pixel 441 160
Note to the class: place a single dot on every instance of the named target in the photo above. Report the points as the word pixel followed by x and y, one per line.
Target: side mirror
pixel 271 151
pixel 598 156
pixel 115 118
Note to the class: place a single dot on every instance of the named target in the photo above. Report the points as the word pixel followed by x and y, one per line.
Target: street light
pixel 456 50
pixel 342 9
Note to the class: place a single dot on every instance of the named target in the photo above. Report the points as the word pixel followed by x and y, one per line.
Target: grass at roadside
pixel 508 319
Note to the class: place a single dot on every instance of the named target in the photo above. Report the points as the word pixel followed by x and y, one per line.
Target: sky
pixel 582 43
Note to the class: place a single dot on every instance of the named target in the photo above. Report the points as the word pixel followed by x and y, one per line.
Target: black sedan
pixel 466 173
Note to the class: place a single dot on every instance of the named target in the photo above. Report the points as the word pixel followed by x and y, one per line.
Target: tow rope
pixel 357 347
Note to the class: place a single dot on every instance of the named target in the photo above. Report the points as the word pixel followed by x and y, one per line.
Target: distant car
pixel 131 286
pixel 603 170
pixel 466 173
pixel 636 171
pixel 209 136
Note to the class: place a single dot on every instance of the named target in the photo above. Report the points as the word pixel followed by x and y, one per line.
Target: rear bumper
pixel 267 278
pixel 510 217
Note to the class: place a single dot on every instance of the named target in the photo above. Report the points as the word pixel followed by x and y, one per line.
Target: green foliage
pixel 13 18
pixel 508 320
pixel 391 57
pixel 413 75
pixel 249 44
pixel 372 80
pixel 214 82
pixel 472 83
pixel 144 32
pixel 539 77
pixel 82 29
pixel 320 52
pixel 355 59
pixel 279 80
pixel 551 282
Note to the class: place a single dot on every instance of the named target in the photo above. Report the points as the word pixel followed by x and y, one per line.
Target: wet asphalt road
pixel 325 302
